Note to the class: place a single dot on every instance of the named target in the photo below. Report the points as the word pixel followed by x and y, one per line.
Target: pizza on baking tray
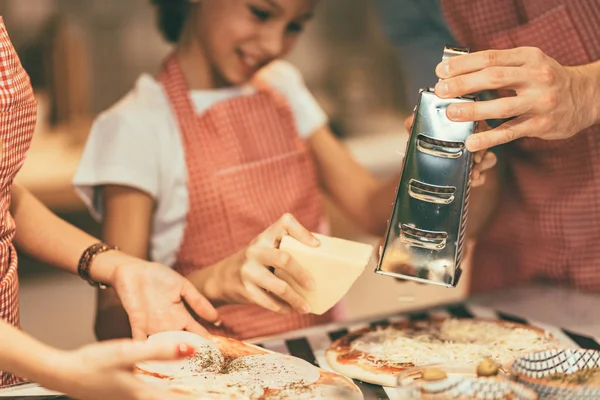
pixel 224 368
pixel 379 354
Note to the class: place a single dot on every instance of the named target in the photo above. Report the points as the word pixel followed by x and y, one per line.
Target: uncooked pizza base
pixel 248 372
pixel 208 357
pixel 346 356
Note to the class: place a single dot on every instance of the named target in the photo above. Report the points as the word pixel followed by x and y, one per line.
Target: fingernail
pixel 454 112
pixel 183 350
pixel 441 88
pixel 472 143
pixel 443 69
pixel 305 309
pixel 217 323
pixel 315 241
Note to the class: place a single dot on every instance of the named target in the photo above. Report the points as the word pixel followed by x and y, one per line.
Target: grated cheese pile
pixel 456 341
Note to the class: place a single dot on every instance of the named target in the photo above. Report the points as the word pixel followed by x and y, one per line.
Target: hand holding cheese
pixel 334 265
pixel 245 276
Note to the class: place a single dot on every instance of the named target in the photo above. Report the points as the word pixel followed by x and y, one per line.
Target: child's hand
pixel 484 160
pixel 246 276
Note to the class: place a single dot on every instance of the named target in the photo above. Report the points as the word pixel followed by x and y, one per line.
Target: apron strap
pixel 173 81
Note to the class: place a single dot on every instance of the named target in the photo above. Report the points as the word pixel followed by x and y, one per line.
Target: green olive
pixel 488 368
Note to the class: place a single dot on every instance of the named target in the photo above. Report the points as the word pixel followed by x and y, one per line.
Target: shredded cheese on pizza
pixel 456 341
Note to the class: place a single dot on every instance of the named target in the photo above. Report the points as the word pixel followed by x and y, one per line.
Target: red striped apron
pixel 17 123
pixel 246 167
pixel 547 226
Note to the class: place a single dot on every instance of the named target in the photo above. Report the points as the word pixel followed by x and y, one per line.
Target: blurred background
pixel 82 56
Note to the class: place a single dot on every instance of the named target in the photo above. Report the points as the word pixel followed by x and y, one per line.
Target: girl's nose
pixel 272 42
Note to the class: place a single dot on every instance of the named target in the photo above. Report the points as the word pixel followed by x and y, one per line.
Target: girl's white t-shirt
pixel 137 143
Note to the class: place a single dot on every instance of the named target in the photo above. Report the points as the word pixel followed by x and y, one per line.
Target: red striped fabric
pixel 17 123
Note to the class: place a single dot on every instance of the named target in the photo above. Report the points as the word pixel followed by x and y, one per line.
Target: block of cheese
pixel 335 265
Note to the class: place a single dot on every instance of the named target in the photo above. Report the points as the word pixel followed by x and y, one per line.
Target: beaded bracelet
pixel 83 268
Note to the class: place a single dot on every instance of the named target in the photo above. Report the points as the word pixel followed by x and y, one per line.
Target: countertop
pixel 560 306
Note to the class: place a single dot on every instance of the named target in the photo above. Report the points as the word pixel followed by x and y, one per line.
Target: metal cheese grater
pixel 426 232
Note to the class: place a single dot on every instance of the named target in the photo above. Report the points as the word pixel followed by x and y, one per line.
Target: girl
pixel 206 166
pixel 148 291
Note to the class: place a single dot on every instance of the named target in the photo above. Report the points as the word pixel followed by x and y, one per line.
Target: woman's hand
pixel 484 160
pixel 155 297
pixel 551 101
pixel 246 276
pixel 104 370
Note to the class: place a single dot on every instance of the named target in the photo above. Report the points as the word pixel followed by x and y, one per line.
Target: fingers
pixel 505 107
pixel 136 316
pixel 488 160
pixel 261 277
pixel 138 333
pixel 487 79
pixel 276 258
pixel 126 353
pixel 478 157
pixel 261 298
pixel 138 328
pixel 477 179
pixel 507 132
pixel 484 160
pixel 289 225
pixel 484 59
pixel 198 303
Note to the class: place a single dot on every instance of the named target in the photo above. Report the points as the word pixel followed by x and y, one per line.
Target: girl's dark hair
pixel 171 17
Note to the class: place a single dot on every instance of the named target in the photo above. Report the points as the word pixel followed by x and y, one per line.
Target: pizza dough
pixel 379 355
pixel 236 370
pixel 319 392
pixel 334 265
pixel 207 359
pixel 221 386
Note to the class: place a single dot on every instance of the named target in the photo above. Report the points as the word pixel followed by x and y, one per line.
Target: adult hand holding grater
pixel 426 232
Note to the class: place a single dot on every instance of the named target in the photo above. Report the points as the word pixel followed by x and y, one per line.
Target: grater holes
pixel 431 193
pixel 421 238
pixel 439 148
